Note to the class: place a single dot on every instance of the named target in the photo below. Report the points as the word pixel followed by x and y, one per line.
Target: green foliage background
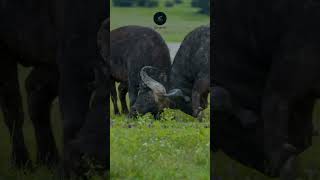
pixel 182 18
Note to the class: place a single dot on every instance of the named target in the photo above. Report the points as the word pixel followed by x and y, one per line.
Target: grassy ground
pixel 174 147
pixel 309 160
pixel 181 19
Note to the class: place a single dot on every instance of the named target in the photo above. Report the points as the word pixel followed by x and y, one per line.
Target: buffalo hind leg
pixel 11 104
pixel 114 97
pixel 42 89
pixel 123 89
pixel 133 92
pixel 200 90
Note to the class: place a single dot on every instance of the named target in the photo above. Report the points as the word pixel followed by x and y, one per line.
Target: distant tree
pixel 140 3
pixel 152 3
pixel 178 1
pixel 147 3
pixel 204 5
pixel 169 4
pixel 123 3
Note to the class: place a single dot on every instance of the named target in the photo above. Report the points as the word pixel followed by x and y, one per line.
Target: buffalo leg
pixel 277 147
pixel 237 142
pixel 11 104
pixel 78 56
pixel 123 89
pixel 300 134
pixel 42 87
pixel 114 97
pixel 230 136
pixel 133 92
pixel 91 143
pixel 199 91
pixel 316 120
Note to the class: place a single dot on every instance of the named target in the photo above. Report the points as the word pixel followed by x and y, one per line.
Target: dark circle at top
pixel 159 18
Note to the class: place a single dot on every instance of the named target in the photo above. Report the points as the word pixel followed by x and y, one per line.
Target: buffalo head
pixel 153 95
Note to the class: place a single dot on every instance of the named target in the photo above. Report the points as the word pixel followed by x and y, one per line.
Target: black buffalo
pixel 132 47
pixel 188 86
pixel 59 40
pixel 266 78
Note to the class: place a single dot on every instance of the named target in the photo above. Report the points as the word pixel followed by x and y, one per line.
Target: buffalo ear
pixel 177 93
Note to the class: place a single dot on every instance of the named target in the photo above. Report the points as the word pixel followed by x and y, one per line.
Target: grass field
pixel 174 147
pixel 181 19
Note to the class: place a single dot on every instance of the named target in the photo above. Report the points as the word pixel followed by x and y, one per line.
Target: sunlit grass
pixel 174 147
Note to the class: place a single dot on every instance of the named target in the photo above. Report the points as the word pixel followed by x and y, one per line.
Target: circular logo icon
pixel 160 18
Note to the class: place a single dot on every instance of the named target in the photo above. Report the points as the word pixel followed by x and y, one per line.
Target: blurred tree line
pixel 141 3
pixel 203 5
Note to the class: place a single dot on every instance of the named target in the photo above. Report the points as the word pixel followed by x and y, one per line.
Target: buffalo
pixel 266 79
pixel 132 47
pixel 188 84
pixel 59 40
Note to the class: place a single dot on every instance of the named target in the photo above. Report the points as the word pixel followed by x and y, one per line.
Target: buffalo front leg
pixel 133 92
pixel 123 89
pixel 11 105
pixel 78 56
pixel 42 89
pixel 114 97
pixel 199 92
pixel 299 134
pixel 276 115
pixel 91 144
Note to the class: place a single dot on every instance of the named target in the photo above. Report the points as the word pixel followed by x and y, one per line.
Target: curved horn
pixel 157 88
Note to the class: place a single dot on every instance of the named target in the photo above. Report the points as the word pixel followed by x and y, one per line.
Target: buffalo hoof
pixel 133 112
pixel 316 133
pixel 125 111
pixel 132 115
pixel 289 169
pixel 49 160
pixel 85 156
pixel 281 162
pixel 198 113
pixel 20 160
pixel 200 116
pixel 157 116
pixel 116 112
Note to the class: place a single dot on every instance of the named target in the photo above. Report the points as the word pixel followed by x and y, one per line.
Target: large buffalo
pixel 51 36
pixel 267 61
pixel 132 47
pixel 188 86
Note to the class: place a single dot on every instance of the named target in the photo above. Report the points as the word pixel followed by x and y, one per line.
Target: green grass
pixel 181 19
pixel 174 147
